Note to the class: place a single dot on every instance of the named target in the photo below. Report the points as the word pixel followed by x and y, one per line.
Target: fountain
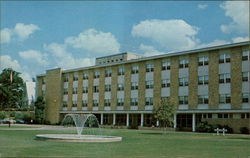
pixel 80 122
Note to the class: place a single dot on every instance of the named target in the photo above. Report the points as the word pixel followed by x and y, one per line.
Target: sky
pixel 41 35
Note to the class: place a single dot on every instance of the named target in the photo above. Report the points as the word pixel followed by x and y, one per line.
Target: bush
pixel 229 129
pixel 244 130
pixel 204 127
pixel 2 115
pixel 12 114
pixel 26 117
pixel 19 116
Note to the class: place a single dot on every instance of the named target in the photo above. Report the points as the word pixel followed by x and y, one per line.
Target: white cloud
pixel 202 6
pixel 34 56
pixel 238 11
pixel 65 59
pixel 96 42
pixel 213 43
pixel 58 50
pixel 240 39
pixel 171 34
pixel 149 50
pixel 24 31
pixel 20 31
pixel 7 62
pixel 5 35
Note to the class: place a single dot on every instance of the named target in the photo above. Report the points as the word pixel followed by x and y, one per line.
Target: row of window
pixel 166 65
pixel 225 115
pixel 202 80
pixel 223 78
pixel 202 99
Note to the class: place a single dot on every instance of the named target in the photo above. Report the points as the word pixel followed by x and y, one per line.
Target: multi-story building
pixel 209 84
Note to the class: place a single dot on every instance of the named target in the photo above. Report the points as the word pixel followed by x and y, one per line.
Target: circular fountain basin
pixel 78 138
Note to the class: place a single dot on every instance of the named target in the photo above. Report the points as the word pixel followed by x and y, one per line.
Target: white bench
pixel 223 130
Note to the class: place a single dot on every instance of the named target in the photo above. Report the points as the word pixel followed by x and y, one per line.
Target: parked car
pixel 7 120
pixel 20 121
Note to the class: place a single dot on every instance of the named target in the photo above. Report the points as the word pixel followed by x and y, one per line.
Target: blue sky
pixel 36 36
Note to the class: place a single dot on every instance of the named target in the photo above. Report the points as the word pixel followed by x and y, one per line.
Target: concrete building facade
pixel 209 84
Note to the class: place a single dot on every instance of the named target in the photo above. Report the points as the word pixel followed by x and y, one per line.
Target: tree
pixel 40 110
pixel 11 89
pixel 165 113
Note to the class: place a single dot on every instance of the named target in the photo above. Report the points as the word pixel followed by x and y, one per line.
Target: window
pixel 225 98
pixel 97 74
pixel 134 85
pixel 225 78
pixel 183 99
pixel 202 99
pixel 96 89
pixel 106 102
pixel 225 115
pixel 75 77
pixel 149 84
pixel 224 58
pixel 74 90
pixel 245 55
pixel 120 87
pixel 85 90
pixel 43 81
pixel 166 65
pixel 205 116
pixel 134 101
pixel 165 98
pixel 95 103
pixel 165 83
pixel 85 76
pixel 150 68
pixel 245 116
pixel 108 73
pixel 245 97
pixel 107 87
pixel 65 91
pixel 65 104
pixel 202 80
pixel 183 63
pixel 203 60
pixel 43 92
pixel 120 101
pixel 183 81
pixel 65 79
pixel 84 103
pixel 135 69
pixel 74 103
pixel 121 71
pixel 245 76
pixel 149 101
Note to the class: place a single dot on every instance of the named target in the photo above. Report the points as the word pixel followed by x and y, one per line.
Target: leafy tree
pixel 165 113
pixel 40 110
pixel 11 89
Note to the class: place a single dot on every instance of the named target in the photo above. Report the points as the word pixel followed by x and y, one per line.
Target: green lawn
pixel 15 126
pixel 135 143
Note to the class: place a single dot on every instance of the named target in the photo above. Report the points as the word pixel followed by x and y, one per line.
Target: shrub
pixel 204 127
pixel 19 116
pixel 244 130
pixel 12 114
pixel 2 115
pixel 229 129
pixel 26 117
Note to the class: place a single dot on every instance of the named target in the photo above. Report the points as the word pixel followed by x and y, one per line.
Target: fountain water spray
pixel 81 121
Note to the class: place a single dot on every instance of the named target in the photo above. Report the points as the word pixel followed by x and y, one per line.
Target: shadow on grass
pixel 153 133
pixel 240 138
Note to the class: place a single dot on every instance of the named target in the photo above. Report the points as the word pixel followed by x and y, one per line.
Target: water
pixel 82 122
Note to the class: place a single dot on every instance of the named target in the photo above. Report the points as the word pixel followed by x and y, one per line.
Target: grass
pixel 15 126
pixel 135 143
